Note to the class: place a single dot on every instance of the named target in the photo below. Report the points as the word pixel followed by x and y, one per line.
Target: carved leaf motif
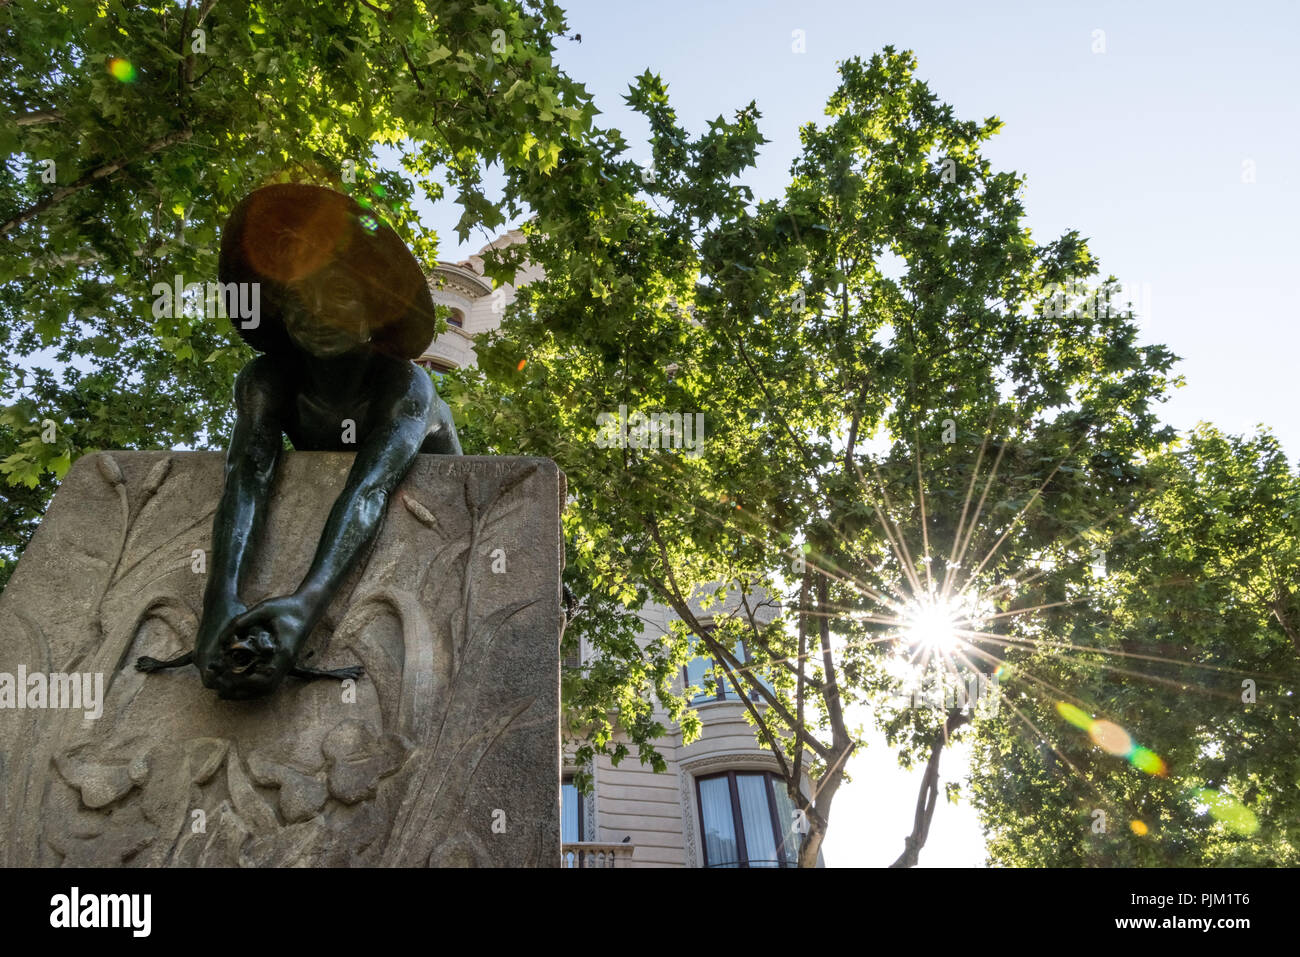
pixel 180 623
pixel 463 850
pixel 422 514
pixel 301 795
pixel 99 784
pixel 109 469
pixel 357 758
pixel 292 846
pixel 157 475
pixel 227 833
pixel 515 478
pixel 205 756
pixel 449 768
pixel 486 491
pixel 252 810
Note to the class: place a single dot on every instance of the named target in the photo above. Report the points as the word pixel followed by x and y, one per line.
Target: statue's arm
pixel 255 447
pixel 406 417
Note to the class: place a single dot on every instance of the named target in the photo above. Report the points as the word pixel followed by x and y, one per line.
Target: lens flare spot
pixel 1111 738
pixel 1144 759
pixel 522 363
pixel 1076 716
pixel 1138 828
pixel 122 70
pixel 1228 811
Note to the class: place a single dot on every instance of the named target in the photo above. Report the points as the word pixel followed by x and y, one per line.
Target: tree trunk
pixel 928 797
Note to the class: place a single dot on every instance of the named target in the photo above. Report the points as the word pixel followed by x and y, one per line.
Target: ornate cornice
pixel 459 279
pixel 731 759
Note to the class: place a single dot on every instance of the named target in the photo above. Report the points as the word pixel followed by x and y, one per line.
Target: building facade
pixel 720 802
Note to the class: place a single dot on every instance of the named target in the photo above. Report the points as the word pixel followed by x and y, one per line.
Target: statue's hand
pixel 287 618
pixel 216 620
pixel 257 648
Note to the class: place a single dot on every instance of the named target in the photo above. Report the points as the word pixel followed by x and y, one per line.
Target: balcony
pixel 592 854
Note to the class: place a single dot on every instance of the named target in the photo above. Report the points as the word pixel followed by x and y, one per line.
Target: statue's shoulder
pixel 263 380
pixel 407 386
pixel 421 385
pixel 262 368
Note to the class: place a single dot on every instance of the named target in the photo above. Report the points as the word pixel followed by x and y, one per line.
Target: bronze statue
pixel 344 308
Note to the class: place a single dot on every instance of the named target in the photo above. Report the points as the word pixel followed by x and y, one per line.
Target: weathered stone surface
pixel 448 754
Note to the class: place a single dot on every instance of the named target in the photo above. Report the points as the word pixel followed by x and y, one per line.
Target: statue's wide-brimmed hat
pixel 319 252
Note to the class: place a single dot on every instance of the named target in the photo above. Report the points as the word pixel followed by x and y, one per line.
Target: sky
pixel 1168 134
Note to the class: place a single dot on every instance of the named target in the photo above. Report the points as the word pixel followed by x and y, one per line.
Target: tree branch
pixel 776 658
pixel 185 67
pixel 803 650
pixel 419 85
pixel 928 797
pixel 108 169
pixel 758 720
pixel 834 710
pixel 38 118
pixel 1277 609
pixel 679 605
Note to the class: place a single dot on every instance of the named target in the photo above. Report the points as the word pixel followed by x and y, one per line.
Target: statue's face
pixel 328 317
pixel 249 665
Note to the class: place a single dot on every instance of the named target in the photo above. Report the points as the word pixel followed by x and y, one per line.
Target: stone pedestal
pixel 446 752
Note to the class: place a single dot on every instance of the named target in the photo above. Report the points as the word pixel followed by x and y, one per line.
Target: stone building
pixel 720 802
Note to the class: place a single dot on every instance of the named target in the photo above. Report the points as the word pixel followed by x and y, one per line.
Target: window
pixel 457 319
pixel 698 669
pixel 436 366
pixel 571 816
pixel 747 820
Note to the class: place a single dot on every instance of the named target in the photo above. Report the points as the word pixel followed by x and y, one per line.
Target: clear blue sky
pixel 1141 148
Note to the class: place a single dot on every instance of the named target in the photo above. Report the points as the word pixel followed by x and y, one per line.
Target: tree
pixel 1174 742
pixel 130 133
pixel 891 296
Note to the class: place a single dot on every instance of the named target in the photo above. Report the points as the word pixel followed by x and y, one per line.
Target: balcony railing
pixel 591 854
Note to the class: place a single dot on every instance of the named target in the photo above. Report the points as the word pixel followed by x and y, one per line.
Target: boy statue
pixel 344 308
